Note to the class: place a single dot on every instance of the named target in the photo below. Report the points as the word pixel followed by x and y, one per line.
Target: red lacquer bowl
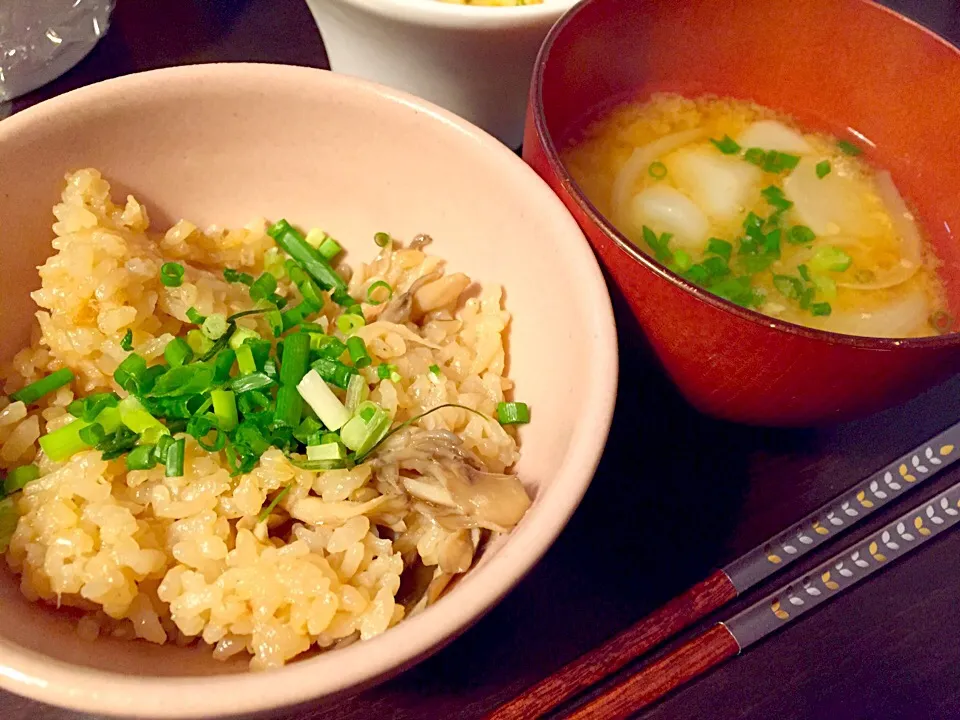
pixel 848 67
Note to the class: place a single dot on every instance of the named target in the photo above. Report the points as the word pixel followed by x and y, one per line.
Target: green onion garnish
pixel 849 148
pixel 828 257
pixel 245 362
pixel 755 156
pixel 435 369
pixel 775 197
pixel 171 274
pixel 381 298
pixel 194 316
pixel 329 248
pixel 131 374
pixel 313 389
pixel 657 170
pixel 788 286
pixel 295 359
pixel 727 145
pixel 776 162
pixel 720 247
pixel 326 451
pixel 225 409
pixel 823 169
pixel 348 323
pixel 513 413
pixel 18 478
pixel 366 428
pixel 198 343
pixel 801 235
pixel 174 461
pixel 127 342
pixel 334 372
pixel 44 386
pixel 315 264
pixel 682 260
pixel 142 457
pixel 357 392
pixel 234 276
pixel 251 381
pixel 241 335
pixel 384 371
pixel 177 352
pixel 358 352
pixel 92 434
pixel 327 346
pixel 820 309
pixel 263 287
pixel 214 326
pixel 382 239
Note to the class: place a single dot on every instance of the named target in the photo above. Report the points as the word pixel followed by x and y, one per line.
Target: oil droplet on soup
pixel 744 203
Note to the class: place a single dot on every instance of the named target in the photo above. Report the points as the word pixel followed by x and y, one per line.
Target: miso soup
pixel 741 201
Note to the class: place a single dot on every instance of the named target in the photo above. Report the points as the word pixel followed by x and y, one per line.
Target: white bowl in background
pixel 475 61
pixel 227 143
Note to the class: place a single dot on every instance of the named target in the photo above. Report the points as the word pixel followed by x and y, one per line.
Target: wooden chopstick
pixel 826 522
pixel 730 637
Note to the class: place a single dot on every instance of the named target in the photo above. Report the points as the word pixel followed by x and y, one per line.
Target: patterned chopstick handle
pixel 845 511
pixel 846 569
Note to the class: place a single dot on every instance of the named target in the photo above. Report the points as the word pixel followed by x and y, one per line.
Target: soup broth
pixel 741 201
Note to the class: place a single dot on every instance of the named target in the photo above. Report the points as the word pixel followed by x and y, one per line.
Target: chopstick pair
pixel 727 639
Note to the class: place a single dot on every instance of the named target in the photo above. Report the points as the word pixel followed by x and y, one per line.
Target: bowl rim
pixel 446 15
pixel 86 689
pixel 573 190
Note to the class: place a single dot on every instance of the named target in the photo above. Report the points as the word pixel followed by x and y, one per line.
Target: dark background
pixel 676 495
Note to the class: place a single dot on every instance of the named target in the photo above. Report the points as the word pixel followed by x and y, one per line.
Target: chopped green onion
pixel 142 457
pixel 358 352
pixel 316 265
pixel 357 392
pixel 727 145
pixel 788 286
pixel 250 381
pixel 274 263
pixel 775 197
pixel 374 287
pixel 366 428
pixel 295 359
pixel 234 276
pixel 194 316
pixel 307 429
pixel 198 343
pixel 348 323
pixel 513 413
pixel 163 445
pixel 241 335
pixel 755 156
pixel 804 272
pixel 849 148
pixel 131 374
pixel 315 238
pixel 174 461
pixel 720 247
pixel 289 406
pixel 136 417
pixel 313 389
pixel 826 285
pixel 171 274
pixel 187 380
pixel 199 428
pixel 127 342
pixel 44 386
pixel 225 409
pixel 295 315
pixel 265 513
pixel 382 239
pixel 334 372
pixel 327 346
pixel 9 517
pixel 90 407
pixel 275 321
pixel 657 170
pixel 326 451
pixel 801 235
pixel 263 287
pixel 92 434
pixel 64 442
pixel 329 248
pixel 823 169
pixel 435 369
pixel 683 261
pixel 18 478
pixel 776 162
pixel 820 309
pixel 828 257
pixel 214 326
pixel 384 371
pixel 177 352
pixel 245 362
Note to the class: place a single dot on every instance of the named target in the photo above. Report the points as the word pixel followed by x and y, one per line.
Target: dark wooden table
pixel 887 649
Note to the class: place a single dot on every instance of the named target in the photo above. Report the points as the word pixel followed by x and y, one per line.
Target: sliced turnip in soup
pixel 722 185
pixel 665 209
pixel 899 318
pixel 831 205
pixel 773 135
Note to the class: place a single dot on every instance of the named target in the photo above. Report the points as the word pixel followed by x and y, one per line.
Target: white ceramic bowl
pixel 224 144
pixel 473 60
